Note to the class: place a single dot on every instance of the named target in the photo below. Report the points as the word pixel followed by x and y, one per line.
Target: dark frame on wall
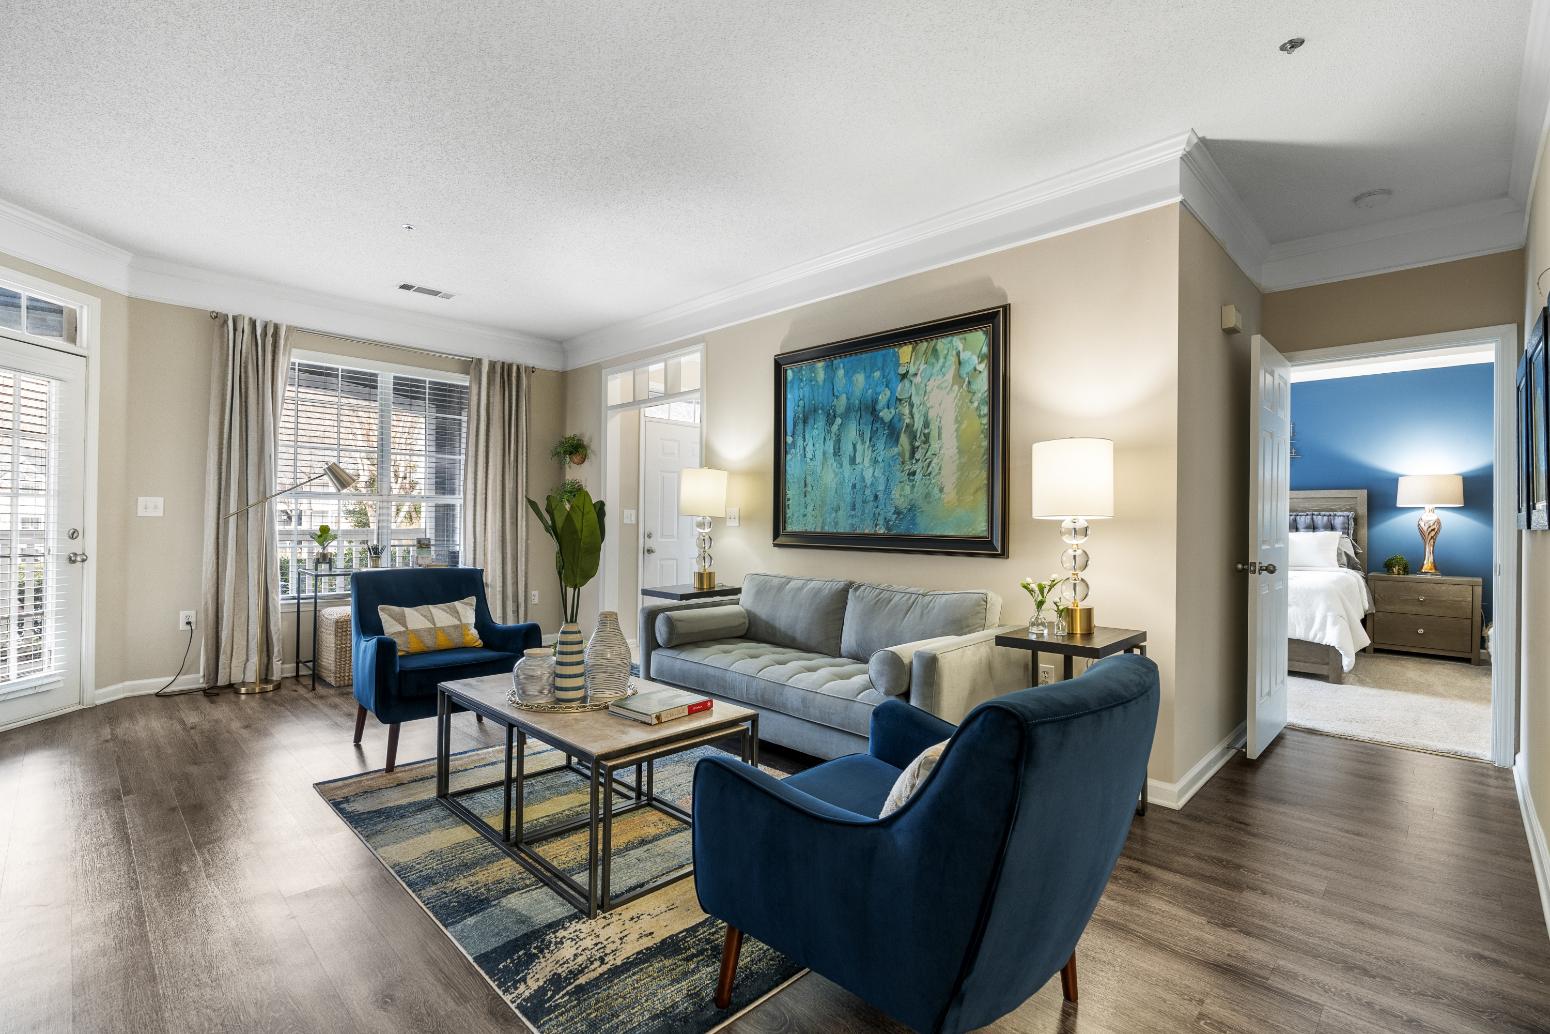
pixel 1534 428
pixel 993 542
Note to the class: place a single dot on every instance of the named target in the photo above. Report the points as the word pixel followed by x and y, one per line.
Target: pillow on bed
pixel 1317 550
pixel 1349 554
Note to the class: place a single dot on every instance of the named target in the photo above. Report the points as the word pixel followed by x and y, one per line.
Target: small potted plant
pixel 1042 593
pixel 1397 564
pixel 572 448
pixel 570 488
pixel 324 537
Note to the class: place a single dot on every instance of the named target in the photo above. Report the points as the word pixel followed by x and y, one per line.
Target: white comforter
pixel 1327 606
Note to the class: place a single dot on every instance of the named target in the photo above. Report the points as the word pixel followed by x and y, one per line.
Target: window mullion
pixel 385 461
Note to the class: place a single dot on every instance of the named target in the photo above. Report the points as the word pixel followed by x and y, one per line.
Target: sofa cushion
pixel 856 782
pixel 802 613
pixel 420 673
pixel 677 627
pixel 880 616
pixel 832 691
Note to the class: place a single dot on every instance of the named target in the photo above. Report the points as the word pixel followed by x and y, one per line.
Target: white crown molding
pixel 1444 235
pixel 1533 115
pixel 55 246
pixel 1135 181
pixel 1207 193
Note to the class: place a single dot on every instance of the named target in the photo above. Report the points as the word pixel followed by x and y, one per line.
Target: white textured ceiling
pixel 574 163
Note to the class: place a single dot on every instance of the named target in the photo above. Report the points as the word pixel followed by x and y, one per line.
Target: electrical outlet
pixel 532 598
pixel 1046 674
pixel 732 517
pixel 185 620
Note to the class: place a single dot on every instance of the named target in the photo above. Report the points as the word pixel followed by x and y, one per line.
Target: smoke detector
pixel 418 289
pixel 1373 198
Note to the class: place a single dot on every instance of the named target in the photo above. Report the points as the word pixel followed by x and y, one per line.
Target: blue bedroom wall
pixel 1364 432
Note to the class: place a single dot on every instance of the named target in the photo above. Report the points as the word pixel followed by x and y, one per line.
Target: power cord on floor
pixel 162 692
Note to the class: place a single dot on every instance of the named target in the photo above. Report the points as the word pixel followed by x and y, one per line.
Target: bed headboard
pixel 1338 500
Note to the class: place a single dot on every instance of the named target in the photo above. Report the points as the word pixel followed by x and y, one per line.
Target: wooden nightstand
pixel 1427 613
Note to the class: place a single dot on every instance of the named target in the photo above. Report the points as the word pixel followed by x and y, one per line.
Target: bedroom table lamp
pixel 1073 482
pixel 702 494
pixel 1430 491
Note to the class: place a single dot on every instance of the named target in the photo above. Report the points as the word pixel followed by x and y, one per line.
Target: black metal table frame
pixel 317 579
pixel 596 895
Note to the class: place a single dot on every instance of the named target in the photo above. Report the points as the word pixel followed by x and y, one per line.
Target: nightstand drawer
pixel 1423 631
pixel 1436 598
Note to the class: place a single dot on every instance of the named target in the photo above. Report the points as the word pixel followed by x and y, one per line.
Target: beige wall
pixel 1534 729
pixel 1093 351
pixel 1462 295
pixel 1213 492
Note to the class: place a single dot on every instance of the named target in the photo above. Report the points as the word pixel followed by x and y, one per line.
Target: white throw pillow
pixel 1319 550
pixel 910 779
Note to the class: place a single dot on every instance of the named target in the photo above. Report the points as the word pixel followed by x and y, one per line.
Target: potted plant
pixel 324 537
pixel 1397 564
pixel 576 526
pixel 569 488
pixel 1041 593
pixel 572 448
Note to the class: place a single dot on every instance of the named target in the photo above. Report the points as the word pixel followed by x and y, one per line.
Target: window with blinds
pixel 403 437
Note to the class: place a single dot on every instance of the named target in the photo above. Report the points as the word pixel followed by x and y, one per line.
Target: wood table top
pixel 591 734
pixel 1100 642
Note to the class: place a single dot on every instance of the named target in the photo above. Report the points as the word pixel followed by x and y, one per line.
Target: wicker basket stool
pixel 333 646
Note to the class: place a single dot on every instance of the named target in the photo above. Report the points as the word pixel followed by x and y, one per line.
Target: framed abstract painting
pixel 1534 428
pixel 896 442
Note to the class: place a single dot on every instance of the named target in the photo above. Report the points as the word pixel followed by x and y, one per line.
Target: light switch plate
pixel 629 516
pixel 149 506
pixel 732 517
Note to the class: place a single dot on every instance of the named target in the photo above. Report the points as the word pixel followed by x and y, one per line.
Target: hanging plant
pixel 573 448
pixel 570 488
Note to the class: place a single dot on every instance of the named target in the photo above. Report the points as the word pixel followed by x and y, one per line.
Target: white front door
pixel 666 537
pixel 1270 473
pixel 42 525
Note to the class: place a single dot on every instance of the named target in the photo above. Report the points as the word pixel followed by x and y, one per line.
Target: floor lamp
pixel 262 683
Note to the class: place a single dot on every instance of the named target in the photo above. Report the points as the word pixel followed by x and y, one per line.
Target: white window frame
pixel 286 537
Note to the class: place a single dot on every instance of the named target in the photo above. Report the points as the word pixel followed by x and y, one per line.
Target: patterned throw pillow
pixel 435 626
pixel 910 779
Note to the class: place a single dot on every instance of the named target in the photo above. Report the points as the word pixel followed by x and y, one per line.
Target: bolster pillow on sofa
pixel 890 669
pixel 677 627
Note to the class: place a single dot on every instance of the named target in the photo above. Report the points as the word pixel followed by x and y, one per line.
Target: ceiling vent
pixel 417 289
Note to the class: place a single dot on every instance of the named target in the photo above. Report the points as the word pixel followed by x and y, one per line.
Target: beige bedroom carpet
pixel 1425 703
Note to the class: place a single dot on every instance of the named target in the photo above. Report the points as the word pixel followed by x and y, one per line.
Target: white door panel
pixel 1270 430
pixel 42 530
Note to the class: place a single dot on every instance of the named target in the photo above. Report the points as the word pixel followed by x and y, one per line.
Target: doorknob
pixel 76 558
pixel 1254 568
pixel 650 550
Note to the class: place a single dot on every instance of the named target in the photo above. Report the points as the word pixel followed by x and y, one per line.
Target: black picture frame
pixel 997 321
pixel 1533 383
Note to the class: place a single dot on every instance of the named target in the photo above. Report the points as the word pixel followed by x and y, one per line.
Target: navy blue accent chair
pixel 402 688
pixel 956 908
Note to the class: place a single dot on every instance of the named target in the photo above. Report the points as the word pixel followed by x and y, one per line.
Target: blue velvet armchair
pixel 402 688
pixel 956 908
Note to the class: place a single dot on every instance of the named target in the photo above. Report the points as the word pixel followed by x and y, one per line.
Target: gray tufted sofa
pixel 815 656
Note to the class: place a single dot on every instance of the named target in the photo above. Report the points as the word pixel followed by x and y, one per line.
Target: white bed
pixel 1329 608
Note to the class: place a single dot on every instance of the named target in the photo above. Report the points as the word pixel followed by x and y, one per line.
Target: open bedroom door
pixel 1270 474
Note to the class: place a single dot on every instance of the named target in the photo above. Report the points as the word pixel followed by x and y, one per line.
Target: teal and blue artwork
pixel 896 441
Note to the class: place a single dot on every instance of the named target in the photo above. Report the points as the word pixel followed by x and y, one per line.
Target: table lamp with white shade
pixel 702 494
pixel 1073 482
pixel 1430 491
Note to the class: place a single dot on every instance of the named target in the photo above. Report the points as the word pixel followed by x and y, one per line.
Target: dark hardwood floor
pixel 166 865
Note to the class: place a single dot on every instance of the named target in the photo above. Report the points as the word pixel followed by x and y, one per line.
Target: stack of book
pixel 656 706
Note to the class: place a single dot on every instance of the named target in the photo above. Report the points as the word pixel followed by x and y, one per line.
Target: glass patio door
pixel 42 461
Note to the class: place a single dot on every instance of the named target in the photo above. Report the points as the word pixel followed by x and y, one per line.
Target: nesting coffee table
pixel 597 746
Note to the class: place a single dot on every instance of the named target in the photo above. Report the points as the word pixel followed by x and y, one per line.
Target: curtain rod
pixel 214 315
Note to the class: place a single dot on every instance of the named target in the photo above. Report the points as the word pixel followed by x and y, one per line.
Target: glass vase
pixel 532 680
pixel 1039 623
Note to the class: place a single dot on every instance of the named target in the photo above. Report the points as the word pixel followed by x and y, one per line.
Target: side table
pixel 1101 642
pixel 684 593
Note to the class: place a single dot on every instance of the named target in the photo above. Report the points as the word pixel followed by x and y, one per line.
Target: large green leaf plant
pixel 575 523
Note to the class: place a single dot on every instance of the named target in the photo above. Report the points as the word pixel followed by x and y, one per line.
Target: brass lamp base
pixel 1079 620
pixel 705 579
pixel 257 686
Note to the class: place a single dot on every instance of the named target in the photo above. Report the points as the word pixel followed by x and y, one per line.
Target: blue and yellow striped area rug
pixel 646 967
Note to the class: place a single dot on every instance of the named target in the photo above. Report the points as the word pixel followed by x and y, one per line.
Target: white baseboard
pixel 141 687
pixel 1537 847
pixel 1175 795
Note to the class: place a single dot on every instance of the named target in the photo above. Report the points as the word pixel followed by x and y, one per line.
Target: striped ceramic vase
pixel 608 656
pixel 570 665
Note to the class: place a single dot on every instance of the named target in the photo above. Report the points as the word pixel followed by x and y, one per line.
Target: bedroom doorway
pixel 1390 639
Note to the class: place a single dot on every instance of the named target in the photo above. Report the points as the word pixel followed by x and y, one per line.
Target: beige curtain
pixel 495 484
pixel 240 619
